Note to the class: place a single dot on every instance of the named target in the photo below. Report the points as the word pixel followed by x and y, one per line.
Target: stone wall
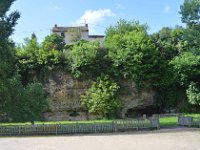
pixel 63 92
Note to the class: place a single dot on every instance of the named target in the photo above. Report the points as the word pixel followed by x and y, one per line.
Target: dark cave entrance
pixel 138 112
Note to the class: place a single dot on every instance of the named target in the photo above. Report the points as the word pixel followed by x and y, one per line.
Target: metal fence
pixel 78 128
pixel 189 121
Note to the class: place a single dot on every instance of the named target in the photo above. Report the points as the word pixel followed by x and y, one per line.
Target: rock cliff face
pixel 63 92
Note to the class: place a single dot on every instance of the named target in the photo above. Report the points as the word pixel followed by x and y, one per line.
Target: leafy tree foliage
pixel 26 104
pixel 101 98
pixel 28 53
pixel 7 22
pixel 31 55
pixel 190 11
pixel 187 67
pixel 169 43
pixel 17 102
pixel 193 93
pixel 53 41
pixel 82 55
pixel 132 51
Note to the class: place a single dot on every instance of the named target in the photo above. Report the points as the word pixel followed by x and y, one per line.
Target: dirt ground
pixel 165 139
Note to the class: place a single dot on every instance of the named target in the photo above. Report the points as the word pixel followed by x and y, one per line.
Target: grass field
pixel 164 121
pixel 169 121
pixel 173 121
pixel 193 115
pixel 59 122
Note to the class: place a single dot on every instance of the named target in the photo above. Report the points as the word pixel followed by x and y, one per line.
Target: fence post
pixel 199 122
pixel 158 123
pixel 19 130
pixel 1 131
pixel 155 122
pixel 189 120
pixel 95 128
pixel 180 120
pixel 115 125
pixel 76 128
pixel 56 129
pixel 138 124
pixel 43 128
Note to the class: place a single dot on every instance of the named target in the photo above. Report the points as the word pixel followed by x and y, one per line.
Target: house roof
pixel 67 29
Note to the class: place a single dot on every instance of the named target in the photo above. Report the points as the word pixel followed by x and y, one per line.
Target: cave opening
pixel 139 112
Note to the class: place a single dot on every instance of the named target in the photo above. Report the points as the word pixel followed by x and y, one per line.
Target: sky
pixel 39 16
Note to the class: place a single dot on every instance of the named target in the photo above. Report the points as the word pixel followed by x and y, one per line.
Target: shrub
pixel 100 98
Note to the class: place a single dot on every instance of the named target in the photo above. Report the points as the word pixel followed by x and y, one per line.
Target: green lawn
pixel 168 121
pixel 165 121
pixel 58 122
pixel 192 115
pixel 173 121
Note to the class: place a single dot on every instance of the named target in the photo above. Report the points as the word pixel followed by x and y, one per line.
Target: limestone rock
pixel 63 92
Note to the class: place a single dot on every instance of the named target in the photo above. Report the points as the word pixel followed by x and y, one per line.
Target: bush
pixel 100 98
pixel 26 104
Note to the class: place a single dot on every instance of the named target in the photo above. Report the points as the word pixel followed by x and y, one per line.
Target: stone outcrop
pixel 132 99
pixel 63 92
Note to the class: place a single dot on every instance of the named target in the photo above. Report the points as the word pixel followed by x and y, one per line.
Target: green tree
pixel 7 59
pixel 27 53
pixel 101 97
pixel 31 55
pixel 53 41
pixel 193 93
pixel 132 51
pixel 82 55
pixel 190 11
pixel 26 104
pixel 187 67
pixel 169 43
pixel 50 50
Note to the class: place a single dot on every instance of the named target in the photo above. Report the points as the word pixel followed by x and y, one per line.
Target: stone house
pixel 73 34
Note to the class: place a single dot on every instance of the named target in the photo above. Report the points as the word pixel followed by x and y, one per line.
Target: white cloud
pixel 52 6
pixel 167 9
pixel 119 6
pixel 94 17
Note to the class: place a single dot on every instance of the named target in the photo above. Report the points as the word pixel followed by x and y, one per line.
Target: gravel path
pixel 165 139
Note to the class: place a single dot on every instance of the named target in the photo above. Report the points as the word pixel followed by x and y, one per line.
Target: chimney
pixel 55 26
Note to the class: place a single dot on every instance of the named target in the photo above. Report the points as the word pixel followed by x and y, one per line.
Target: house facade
pixel 73 34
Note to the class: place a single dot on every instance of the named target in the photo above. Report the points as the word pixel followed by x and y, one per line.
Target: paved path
pixel 165 139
